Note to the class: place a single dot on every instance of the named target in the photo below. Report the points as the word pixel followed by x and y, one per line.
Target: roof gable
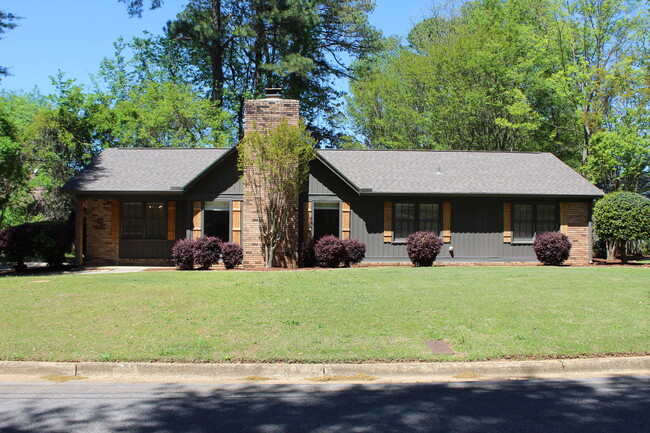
pixel 457 172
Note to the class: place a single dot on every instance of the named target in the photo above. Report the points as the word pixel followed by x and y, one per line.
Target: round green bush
pixel 622 216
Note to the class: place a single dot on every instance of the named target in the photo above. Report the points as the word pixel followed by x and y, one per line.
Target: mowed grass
pixel 337 315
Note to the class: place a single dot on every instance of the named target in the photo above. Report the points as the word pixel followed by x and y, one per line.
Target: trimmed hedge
pixel 207 250
pixel 47 240
pixel 232 254
pixel 183 254
pixel 552 248
pixel 355 251
pixel 423 248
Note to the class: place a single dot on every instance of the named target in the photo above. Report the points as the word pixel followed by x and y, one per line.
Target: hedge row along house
pixel 133 204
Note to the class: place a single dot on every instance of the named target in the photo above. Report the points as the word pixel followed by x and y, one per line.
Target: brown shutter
pixel 388 221
pixel 236 222
pixel 345 220
pixel 115 219
pixel 446 222
pixel 507 222
pixel 564 217
pixel 306 221
pixel 171 220
pixel 196 220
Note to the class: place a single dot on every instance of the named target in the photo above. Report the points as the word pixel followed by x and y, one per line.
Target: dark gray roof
pixel 457 172
pixel 144 170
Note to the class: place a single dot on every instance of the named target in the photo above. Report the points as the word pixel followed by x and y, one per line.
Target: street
pixel 616 404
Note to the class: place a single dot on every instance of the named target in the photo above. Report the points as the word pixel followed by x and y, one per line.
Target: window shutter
pixel 564 217
pixel 196 220
pixel 171 220
pixel 236 221
pixel 388 221
pixel 446 222
pixel 306 221
pixel 115 219
pixel 507 222
pixel 345 220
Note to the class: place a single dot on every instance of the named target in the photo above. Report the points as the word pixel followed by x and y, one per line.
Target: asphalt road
pixel 620 404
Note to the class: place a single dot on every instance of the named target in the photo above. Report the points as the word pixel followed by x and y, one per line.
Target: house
pixel 133 204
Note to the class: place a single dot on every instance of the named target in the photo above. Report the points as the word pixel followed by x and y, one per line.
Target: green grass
pixel 326 315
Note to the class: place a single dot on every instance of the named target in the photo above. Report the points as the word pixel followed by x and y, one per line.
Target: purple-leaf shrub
pixel 206 251
pixel 53 239
pixel 307 259
pixel 17 244
pixel 232 254
pixel 355 251
pixel 552 248
pixel 329 252
pixel 423 248
pixel 183 254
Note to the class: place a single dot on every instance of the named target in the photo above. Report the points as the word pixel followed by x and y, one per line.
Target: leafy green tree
pixel 12 169
pixel 275 164
pixel 620 217
pixel 618 161
pixel 7 22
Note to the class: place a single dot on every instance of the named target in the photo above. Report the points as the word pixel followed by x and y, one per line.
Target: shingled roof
pixel 144 170
pixel 457 172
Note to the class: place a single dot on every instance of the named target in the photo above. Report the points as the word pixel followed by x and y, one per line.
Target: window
pixel 413 217
pixel 144 220
pixel 326 219
pixel 217 219
pixel 530 219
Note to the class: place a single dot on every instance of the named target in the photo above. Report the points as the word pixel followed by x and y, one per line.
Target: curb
pixel 384 371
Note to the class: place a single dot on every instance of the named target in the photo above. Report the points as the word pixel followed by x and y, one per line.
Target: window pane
pixel 217 205
pixel 428 217
pixel 523 222
pixel 546 218
pixel 404 220
pixel 155 221
pixel 326 205
pixel 132 221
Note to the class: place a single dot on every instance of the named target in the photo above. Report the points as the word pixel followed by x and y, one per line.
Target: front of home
pixel 133 204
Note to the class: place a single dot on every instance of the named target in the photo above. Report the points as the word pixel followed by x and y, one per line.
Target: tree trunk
pixel 216 56
pixel 268 255
pixel 611 250
pixel 622 251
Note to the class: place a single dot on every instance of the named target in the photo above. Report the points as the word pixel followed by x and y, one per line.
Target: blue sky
pixel 74 35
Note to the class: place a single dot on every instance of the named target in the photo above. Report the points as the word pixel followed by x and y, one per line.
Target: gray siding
pixel 222 180
pixel 145 249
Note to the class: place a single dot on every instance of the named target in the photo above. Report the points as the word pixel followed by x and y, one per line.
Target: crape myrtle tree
pixel 620 217
pixel 275 164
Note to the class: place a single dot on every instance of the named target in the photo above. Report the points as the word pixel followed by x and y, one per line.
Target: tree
pixel 620 217
pixel 12 169
pixel 618 161
pixel 275 164
pixel 7 22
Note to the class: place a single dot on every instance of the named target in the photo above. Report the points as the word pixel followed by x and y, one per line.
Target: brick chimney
pixel 260 115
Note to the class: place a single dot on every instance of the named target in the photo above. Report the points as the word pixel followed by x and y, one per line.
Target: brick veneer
pixel 262 114
pixel 577 230
pixel 101 248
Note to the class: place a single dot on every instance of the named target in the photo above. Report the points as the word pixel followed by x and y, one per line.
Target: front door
pixel 326 219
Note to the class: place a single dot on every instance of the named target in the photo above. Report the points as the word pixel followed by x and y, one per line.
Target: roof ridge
pixel 436 151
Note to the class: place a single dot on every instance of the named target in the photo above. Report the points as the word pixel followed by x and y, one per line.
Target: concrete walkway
pixel 32 266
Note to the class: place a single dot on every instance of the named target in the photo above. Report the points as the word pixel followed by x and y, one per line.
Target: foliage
pixel 622 216
pixel 275 166
pixel 307 258
pixel 17 244
pixel 48 240
pixel 233 254
pixel 207 250
pixel 552 248
pixel 355 251
pixel 12 169
pixel 423 248
pixel 7 22
pixel 183 254
pixel 329 252
pixel 618 161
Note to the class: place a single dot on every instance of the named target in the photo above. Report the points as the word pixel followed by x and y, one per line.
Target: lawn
pixel 326 315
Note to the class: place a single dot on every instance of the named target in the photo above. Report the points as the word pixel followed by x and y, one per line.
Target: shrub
pixel 329 252
pixel 552 248
pixel 423 248
pixel 206 251
pixel 307 259
pixel 17 243
pixel 183 254
pixel 53 239
pixel 232 253
pixel 355 251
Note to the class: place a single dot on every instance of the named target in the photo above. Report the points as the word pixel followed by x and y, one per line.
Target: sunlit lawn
pixel 326 315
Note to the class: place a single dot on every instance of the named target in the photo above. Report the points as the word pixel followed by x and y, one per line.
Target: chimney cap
pixel 273 92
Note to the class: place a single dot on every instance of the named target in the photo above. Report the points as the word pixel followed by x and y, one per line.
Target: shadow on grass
pixel 600 405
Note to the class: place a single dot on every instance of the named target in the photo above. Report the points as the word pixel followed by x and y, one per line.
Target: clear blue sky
pixel 75 35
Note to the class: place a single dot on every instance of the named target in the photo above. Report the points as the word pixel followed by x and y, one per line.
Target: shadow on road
pixel 599 405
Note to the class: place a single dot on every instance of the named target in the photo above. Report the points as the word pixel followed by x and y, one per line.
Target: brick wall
pixel 576 226
pixel 262 114
pixel 101 248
